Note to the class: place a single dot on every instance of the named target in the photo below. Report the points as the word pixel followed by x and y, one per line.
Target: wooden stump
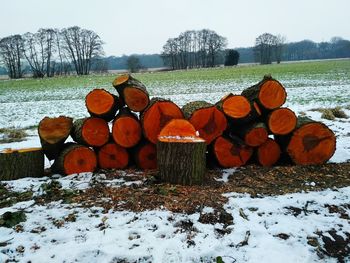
pixel 21 163
pixel 181 160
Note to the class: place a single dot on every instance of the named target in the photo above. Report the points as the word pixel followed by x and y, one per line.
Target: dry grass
pixel 8 135
pixel 332 113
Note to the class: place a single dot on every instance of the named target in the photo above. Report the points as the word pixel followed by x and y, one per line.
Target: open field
pixel 252 214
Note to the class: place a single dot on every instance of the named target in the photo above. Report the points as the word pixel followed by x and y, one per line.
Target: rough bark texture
pixel 182 162
pixel 53 132
pixel 22 163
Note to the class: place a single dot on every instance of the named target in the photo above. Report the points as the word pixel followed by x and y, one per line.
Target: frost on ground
pixel 81 218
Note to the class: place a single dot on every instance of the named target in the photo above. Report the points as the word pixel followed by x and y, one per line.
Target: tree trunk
pixel 209 121
pixel 15 164
pixel 310 143
pixel 126 129
pixel 53 132
pixel 268 93
pixel 158 113
pixel 132 91
pixel 74 159
pixel 102 104
pixel 181 161
pixel 90 131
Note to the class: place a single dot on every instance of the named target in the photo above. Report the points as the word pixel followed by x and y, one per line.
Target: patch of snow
pixel 225 175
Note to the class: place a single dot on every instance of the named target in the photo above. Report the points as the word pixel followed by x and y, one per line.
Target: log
pixel 53 132
pixel 253 134
pixel 268 93
pixel 102 104
pixel 75 159
pixel 310 143
pixel 268 153
pixel 126 129
pixel 132 91
pixel 178 128
pixel 239 109
pixel 90 131
pixel 157 115
pixel 231 152
pixel 281 121
pixel 15 164
pixel 209 121
pixel 181 160
pixel 112 156
pixel 145 155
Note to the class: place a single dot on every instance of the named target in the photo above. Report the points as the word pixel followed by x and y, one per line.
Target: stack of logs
pixel 129 129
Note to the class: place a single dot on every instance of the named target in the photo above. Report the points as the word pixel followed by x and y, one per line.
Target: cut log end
pixel 272 94
pixel 136 98
pixel 101 103
pixel 91 131
pixel 178 127
pixel 146 156
pixel 231 153
pixel 121 80
pixel 126 131
pixel 156 116
pixel 112 156
pixel 268 153
pixel 312 143
pixel 256 136
pixel 282 121
pixel 236 106
pixel 54 130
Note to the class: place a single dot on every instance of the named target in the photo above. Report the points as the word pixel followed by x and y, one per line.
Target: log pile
pixel 129 129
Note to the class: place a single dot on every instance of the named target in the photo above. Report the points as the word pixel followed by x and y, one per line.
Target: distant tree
pixel 11 54
pixel 80 46
pixel 133 64
pixel 264 48
pixel 231 57
pixel 279 46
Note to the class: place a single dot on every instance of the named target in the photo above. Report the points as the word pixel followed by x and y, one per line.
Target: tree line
pixel 51 51
pixel 194 49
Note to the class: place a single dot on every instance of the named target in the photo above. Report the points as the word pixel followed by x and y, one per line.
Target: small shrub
pixel 12 135
pixel 339 113
pixel 328 115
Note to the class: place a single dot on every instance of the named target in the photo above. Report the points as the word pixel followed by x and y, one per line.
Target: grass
pixel 329 69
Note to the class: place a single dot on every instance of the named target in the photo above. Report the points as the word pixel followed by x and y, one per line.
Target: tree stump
pixel 15 164
pixel 181 160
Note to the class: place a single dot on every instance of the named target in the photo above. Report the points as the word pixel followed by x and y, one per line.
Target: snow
pixel 157 236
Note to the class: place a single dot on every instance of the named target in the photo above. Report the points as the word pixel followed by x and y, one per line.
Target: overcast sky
pixel 143 26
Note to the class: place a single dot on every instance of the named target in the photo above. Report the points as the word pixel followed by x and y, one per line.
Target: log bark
pixel 102 104
pixel 268 93
pixel 15 164
pixel 53 132
pixel 158 113
pixel 75 159
pixel 310 143
pixel 181 161
pixel 132 91
pixel 206 118
pixel 90 131
pixel 126 129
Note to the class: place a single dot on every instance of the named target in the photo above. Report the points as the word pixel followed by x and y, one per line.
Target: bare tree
pixel 280 44
pixel 264 48
pixel 80 46
pixel 11 54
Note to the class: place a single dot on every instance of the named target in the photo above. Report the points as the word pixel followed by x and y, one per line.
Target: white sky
pixel 143 26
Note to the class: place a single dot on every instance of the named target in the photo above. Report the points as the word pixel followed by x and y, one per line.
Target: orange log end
pixel 146 157
pixel 282 121
pixel 95 132
pixel 236 106
pixel 312 143
pixel 126 131
pixel 268 153
pixel 231 154
pixel 52 130
pixel 209 122
pixel 272 94
pixel 256 136
pixel 113 156
pixel 99 101
pixel 121 80
pixel 157 116
pixel 79 160
pixel 136 99
pixel 178 127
